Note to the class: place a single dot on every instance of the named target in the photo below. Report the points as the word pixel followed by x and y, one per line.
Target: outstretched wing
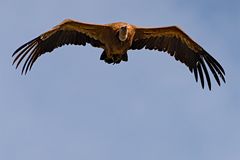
pixel 178 44
pixel 67 32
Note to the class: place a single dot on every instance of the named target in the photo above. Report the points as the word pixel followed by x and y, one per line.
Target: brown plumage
pixel 116 39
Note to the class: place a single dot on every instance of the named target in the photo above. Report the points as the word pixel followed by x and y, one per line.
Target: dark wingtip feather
pixel 21 47
pixel 206 73
pixel 214 67
pixel 200 74
pixel 196 74
pixel 217 63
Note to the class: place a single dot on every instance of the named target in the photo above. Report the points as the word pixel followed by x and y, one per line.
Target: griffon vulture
pixel 116 39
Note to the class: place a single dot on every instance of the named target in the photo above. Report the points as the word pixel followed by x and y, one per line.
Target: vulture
pixel 116 39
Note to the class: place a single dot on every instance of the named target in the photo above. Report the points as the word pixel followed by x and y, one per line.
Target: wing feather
pixel 178 44
pixel 206 73
pixel 67 32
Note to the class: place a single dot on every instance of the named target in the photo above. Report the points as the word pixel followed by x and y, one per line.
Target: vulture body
pixel 116 39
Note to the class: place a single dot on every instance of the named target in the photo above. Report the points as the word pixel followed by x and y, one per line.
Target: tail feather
pixel 125 57
pixel 115 59
pixel 103 56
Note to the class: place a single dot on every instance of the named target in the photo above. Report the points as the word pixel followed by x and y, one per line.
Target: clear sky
pixel 74 106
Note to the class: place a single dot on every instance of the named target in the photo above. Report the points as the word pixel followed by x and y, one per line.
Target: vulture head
pixel 123 33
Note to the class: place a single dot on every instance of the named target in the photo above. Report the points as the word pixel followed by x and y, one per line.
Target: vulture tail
pixel 115 59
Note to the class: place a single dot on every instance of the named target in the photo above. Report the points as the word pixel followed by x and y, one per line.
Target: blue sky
pixel 74 106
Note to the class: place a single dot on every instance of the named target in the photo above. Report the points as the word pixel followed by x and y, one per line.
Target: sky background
pixel 74 106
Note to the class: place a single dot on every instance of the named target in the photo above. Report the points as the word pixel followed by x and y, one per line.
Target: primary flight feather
pixel 116 39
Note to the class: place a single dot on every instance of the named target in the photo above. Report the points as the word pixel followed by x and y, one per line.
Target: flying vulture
pixel 116 39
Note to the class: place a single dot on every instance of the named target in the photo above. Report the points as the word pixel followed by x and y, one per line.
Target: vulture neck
pixel 123 33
